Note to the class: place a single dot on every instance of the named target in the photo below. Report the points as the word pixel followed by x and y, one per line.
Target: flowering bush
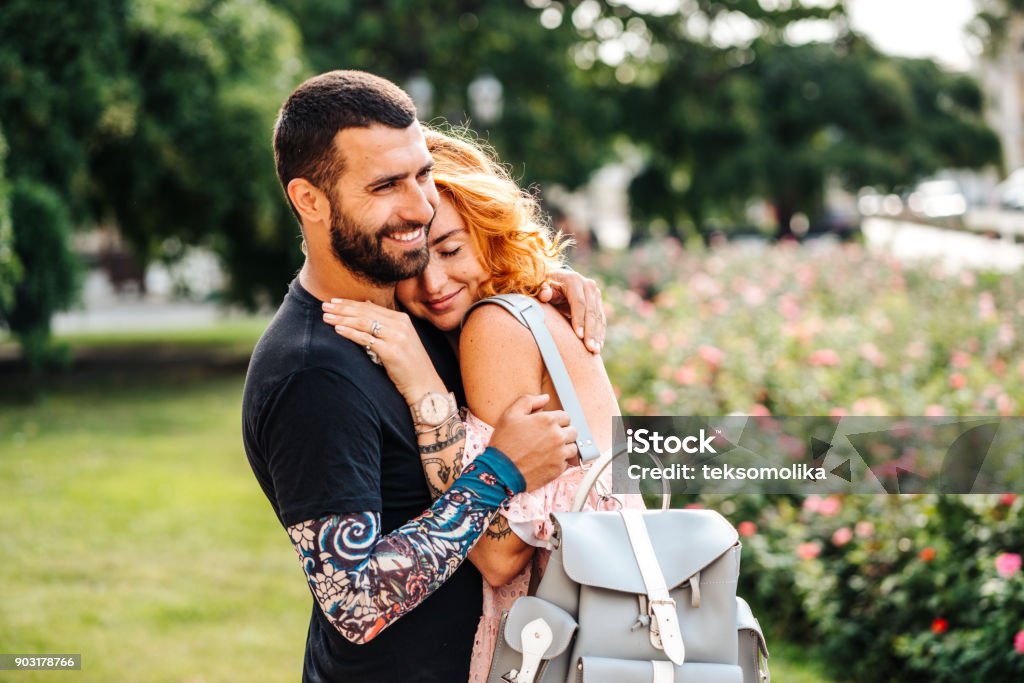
pixel 812 330
pixel 908 588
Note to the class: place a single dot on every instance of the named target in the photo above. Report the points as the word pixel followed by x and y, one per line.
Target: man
pixel 335 446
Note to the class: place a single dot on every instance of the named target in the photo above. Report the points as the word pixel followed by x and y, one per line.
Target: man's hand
pixel 540 443
pixel 582 297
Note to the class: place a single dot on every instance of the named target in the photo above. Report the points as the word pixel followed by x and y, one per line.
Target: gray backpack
pixel 632 595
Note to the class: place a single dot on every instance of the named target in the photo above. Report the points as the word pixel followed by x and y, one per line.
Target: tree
pixel 193 159
pixel 752 114
pixel 155 116
pixel 58 66
pixel 10 266
pixel 555 125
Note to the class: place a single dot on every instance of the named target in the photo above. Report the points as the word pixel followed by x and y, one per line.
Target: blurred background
pixel 794 207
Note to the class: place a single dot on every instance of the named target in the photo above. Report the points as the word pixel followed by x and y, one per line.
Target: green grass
pixel 134 533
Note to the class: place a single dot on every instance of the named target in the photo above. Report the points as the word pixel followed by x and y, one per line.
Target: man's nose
pixel 421 202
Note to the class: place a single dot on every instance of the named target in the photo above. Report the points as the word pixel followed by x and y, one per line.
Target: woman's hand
pixel 392 337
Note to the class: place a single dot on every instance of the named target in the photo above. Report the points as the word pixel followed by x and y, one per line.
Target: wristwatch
pixel 434 409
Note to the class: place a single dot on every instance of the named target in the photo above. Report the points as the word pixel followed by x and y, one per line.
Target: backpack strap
pixel 530 314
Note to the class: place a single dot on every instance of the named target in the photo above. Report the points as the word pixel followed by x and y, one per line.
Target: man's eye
pixel 425 174
pixel 384 187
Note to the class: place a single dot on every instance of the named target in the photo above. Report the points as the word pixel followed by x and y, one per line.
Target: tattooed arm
pixel 364 581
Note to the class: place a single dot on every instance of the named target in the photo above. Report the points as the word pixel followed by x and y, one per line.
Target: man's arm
pixel 579 299
pixel 365 581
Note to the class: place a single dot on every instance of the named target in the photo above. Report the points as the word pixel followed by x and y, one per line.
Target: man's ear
pixel 309 201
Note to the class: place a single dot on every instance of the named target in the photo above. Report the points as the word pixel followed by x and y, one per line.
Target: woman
pixel 488 238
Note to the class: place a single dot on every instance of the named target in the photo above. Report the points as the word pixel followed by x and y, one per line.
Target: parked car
pixel 1009 194
pixel 938 199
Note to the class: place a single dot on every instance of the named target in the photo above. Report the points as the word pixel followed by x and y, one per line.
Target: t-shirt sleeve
pixel 322 439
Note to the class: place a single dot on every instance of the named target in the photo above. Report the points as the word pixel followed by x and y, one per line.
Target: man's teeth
pixel 406 236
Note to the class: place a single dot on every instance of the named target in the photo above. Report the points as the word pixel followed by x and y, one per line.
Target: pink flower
pixel 759 410
pixel 1007 564
pixel 957 380
pixel 934 410
pixel 960 359
pixel 811 503
pixel 686 375
pixel 711 355
pixel 808 551
pixel 659 342
pixel 864 529
pixel 824 358
pixel 871 354
pixel 842 536
pixel 1007 499
pixel 1018 643
pixel 829 507
pixel 746 529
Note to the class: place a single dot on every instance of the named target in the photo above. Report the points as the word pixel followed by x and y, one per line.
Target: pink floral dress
pixel 528 516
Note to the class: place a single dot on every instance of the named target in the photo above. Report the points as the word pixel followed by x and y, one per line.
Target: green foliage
pixel 196 163
pixel 42 231
pixel 10 266
pixel 768 118
pixel 893 588
pixel 556 123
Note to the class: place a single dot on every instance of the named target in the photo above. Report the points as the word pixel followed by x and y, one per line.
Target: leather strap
pixel 537 638
pixel 529 313
pixel 664 672
pixel 660 604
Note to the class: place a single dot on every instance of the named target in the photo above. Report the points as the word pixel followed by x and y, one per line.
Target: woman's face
pixel 451 281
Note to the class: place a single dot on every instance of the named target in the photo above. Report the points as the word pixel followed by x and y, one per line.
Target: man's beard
pixel 363 252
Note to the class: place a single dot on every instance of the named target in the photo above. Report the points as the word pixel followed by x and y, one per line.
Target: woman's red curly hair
pixel 514 242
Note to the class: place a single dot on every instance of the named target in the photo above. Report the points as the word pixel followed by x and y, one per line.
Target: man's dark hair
pixel 319 109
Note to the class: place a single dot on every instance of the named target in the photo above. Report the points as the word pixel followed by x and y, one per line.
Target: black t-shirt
pixel 326 432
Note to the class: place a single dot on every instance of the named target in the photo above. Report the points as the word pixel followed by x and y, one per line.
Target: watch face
pixel 434 408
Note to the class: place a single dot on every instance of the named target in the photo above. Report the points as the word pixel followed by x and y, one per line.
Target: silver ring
pixel 375 328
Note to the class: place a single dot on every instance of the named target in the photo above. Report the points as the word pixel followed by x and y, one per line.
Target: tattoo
pixel 442 472
pixel 498 528
pixel 363 581
pixel 447 435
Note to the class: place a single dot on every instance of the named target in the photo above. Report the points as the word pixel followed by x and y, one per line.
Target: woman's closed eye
pixel 449 252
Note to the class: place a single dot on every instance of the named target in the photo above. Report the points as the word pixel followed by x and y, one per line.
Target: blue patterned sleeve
pixel 364 581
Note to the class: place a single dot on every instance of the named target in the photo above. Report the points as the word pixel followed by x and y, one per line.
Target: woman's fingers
pixel 367 317
pixel 358 336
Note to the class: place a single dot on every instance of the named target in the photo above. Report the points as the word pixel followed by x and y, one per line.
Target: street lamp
pixel 486 99
pixel 421 91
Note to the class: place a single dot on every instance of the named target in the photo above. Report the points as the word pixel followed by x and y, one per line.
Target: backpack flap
pixel 685 542
pixel 533 633
pixel 527 609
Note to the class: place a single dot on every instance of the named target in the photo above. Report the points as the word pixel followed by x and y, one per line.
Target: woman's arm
pixel 500 361
pixel 401 352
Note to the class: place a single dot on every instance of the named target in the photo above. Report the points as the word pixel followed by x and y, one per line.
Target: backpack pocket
pixel 604 670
